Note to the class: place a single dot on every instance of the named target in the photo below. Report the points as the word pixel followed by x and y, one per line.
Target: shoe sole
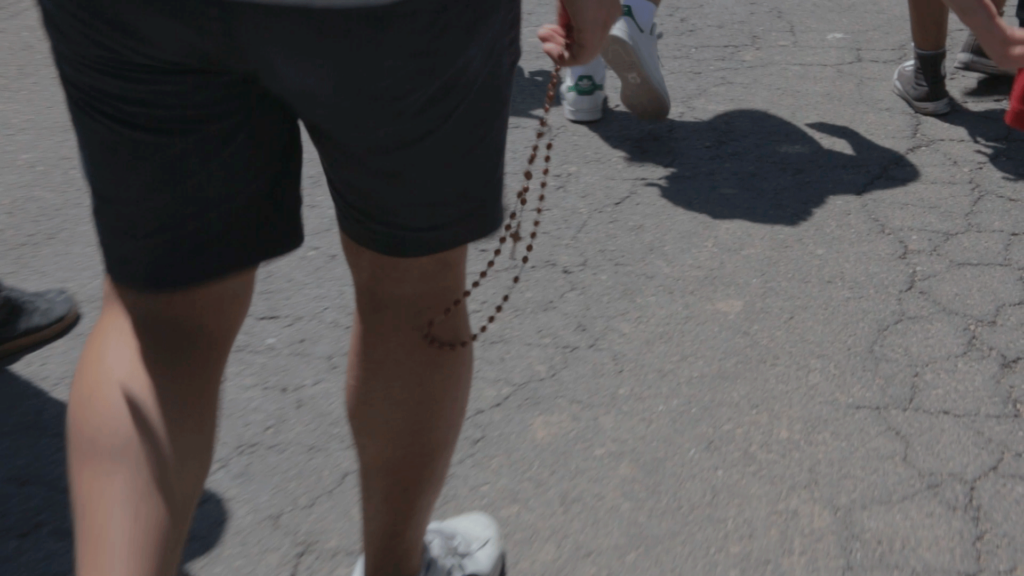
pixel 14 350
pixel 937 108
pixel 583 115
pixel 639 94
pixel 972 63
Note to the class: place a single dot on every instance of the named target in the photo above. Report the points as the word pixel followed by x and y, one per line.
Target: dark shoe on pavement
pixel 972 58
pixel 921 82
pixel 30 320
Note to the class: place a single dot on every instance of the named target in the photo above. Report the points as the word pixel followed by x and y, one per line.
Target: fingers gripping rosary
pixel 513 231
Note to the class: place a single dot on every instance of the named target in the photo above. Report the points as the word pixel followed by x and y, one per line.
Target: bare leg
pixel 141 422
pixel 929 22
pixel 406 400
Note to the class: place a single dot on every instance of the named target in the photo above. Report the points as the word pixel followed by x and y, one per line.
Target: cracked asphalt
pixel 779 333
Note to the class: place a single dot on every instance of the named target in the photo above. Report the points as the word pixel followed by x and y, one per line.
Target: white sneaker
pixel 467 545
pixel 633 54
pixel 582 92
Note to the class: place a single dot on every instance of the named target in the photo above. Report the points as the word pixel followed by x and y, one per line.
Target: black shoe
pixel 30 320
pixel 921 82
pixel 972 58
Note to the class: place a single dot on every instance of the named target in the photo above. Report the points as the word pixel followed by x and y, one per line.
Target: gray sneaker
pixel 921 82
pixel 972 58
pixel 467 545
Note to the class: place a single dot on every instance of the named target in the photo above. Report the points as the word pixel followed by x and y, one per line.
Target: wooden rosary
pixel 513 230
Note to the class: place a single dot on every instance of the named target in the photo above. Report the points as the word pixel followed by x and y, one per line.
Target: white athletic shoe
pixel 582 92
pixel 467 545
pixel 633 54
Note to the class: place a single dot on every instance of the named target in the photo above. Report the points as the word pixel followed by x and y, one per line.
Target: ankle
pixel 417 569
pixel 932 64
pixel 642 11
pixel 397 559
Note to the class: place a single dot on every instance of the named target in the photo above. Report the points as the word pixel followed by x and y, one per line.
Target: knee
pixel 200 317
pixel 413 288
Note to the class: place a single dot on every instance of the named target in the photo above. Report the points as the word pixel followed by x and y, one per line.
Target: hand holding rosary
pixel 513 232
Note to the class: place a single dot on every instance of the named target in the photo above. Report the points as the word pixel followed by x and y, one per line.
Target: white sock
pixel 595 69
pixel 643 11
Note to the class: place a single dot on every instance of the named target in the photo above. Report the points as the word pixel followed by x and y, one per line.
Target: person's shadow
pixel 742 164
pixel 990 130
pixel 35 522
pixel 528 91
pixel 989 86
pixel 752 165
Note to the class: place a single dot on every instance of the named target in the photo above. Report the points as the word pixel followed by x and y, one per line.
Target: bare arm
pixel 1003 44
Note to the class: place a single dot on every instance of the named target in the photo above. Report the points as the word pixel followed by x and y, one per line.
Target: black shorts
pixel 187 112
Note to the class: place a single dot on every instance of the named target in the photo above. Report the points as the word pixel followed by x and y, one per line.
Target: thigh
pixel 408 106
pixel 193 166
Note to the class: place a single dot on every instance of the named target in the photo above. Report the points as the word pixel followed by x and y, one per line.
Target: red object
pixel 1015 114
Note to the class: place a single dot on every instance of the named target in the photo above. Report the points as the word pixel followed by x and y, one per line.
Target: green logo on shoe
pixel 585 86
pixel 627 12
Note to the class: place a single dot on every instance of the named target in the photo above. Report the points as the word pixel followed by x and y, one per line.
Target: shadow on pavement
pixel 990 130
pixel 35 524
pixel 988 86
pixel 751 165
pixel 528 91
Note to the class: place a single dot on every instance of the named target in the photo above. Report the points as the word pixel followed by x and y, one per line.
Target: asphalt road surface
pixel 779 333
